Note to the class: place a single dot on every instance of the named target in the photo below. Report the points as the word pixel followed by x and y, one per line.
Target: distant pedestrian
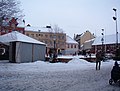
pixel 98 60
pixel 84 53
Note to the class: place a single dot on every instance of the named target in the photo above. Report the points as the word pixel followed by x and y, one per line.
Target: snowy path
pixel 55 77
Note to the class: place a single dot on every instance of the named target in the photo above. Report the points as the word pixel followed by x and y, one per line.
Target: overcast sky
pixel 73 16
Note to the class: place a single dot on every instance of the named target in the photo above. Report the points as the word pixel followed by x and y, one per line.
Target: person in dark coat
pixel 115 73
pixel 98 60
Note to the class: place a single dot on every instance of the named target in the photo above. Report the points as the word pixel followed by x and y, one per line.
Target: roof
pixel 21 24
pixel 108 39
pixel 16 36
pixel 91 40
pixel 70 40
pixel 6 22
pixel 37 29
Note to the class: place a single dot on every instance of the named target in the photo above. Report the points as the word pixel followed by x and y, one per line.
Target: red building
pixel 9 25
pixel 109 44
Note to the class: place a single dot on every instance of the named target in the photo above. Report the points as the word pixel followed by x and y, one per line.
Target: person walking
pixel 98 60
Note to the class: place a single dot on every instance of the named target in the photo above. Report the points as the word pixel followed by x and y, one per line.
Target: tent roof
pixel 16 36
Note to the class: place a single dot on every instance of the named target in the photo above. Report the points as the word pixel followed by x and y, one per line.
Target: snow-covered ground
pixel 77 75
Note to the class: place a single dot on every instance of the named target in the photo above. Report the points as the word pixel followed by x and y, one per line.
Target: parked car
pixel 109 55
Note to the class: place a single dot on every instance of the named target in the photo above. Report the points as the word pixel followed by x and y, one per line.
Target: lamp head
pixel 114 9
pixel 114 18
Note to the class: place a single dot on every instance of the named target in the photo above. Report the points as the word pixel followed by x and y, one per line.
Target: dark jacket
pixel 98 56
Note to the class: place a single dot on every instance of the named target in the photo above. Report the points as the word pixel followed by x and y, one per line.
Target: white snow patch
pixel 76 60
pixel 76 75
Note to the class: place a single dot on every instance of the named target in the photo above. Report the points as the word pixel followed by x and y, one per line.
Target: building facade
pixel 87 45
pixel 54 41
pixel 9 25
pixel 82 38
pixel 109 44
pixel 6 26
pixel 71 46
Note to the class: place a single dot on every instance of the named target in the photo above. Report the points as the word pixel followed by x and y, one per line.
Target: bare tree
pixel 57 29
pixel 10 8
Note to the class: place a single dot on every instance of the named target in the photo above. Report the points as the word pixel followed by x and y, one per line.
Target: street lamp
pixel 117 48
pixel 54 48
pixel 115 18
pixel 102 40
pixel 54 39
pixel 54 45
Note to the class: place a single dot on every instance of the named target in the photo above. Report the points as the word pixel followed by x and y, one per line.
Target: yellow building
pixel 53 40
pixel 82 38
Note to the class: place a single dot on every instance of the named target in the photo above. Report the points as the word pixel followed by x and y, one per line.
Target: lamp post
pixel 54 45
pixel 115 18
pixel 117 48
pixel 102 40
pixel 54 40
pixel 54 48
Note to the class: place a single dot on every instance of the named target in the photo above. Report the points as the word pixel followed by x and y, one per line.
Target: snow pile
pixel 76 60
pixel 42 66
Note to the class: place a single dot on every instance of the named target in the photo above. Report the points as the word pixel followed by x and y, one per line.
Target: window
pixel 62 37
pixel 27 34
pixel 51 36
pixel 36 35
pixel 32 35
pixel 59 37
pixel 71 46
pixel 13 25
pixel 74 46
pixel 46 36
pixel 68 46
pixel 41 35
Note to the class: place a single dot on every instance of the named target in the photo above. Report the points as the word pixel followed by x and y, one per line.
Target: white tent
pixel 16 36
pixel 23 48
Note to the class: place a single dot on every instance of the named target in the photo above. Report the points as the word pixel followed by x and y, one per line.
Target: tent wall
pixel 23 52
pixel 39 52
pixel 12 52
pixel 27 52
